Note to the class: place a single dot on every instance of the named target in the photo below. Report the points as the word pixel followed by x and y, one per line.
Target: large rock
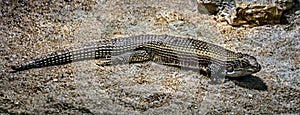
pixel 249 13
pixel 246 12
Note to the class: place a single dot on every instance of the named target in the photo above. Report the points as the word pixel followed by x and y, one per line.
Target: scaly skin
pixel 162 49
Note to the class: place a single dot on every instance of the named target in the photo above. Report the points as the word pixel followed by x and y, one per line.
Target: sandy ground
pixel 33 29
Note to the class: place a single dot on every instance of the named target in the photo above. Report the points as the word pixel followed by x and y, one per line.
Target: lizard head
pixel 243 66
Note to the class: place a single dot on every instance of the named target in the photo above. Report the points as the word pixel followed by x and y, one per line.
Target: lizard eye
pixel 244 64
pixel 230 69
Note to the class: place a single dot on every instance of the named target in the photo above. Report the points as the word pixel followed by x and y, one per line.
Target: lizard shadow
pixel 250 82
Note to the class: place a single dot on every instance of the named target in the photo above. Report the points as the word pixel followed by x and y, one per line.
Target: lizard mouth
pixel 243 71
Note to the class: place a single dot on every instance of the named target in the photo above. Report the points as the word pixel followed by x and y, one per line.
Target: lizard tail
pixel 62 57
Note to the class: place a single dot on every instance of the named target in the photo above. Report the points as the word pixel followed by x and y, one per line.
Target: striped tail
pixel 88 52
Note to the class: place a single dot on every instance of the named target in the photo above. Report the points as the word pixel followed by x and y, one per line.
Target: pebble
pixel 55 80
pixel 297 12
pixel 250 95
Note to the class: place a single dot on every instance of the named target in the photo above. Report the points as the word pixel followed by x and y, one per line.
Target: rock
pixel 208 6
pixel 212 6
pixel 249 13
pixel 246 12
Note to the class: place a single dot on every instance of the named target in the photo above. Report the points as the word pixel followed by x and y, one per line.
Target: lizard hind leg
pixel 128 58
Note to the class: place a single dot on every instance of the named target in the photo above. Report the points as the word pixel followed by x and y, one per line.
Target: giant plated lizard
pixel 216 61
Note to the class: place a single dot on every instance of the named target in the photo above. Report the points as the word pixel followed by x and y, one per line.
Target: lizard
pixel 215 60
